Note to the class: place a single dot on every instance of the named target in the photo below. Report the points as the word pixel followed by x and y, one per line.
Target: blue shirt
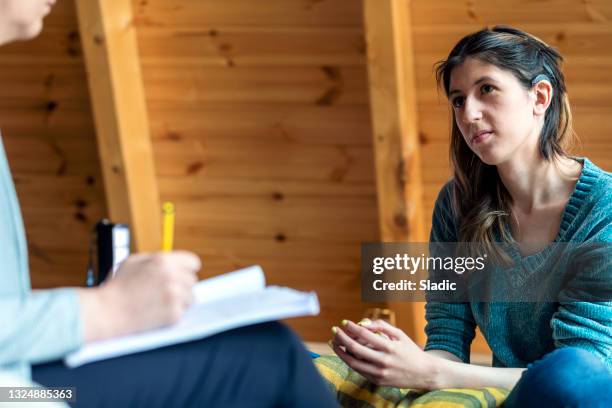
pixel 520 333
pixel 35 326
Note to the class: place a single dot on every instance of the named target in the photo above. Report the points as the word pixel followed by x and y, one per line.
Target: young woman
pixel 513 183
pixel 265 365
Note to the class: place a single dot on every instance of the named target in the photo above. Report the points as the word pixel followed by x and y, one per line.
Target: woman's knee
pixel 569 363
pixel 569 375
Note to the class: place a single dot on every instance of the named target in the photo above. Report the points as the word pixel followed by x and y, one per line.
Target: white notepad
pixel 221 303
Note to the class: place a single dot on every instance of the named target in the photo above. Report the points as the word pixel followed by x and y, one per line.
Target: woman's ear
pixel 543 93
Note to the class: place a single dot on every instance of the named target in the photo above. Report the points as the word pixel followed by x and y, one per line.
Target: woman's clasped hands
pixel 384 354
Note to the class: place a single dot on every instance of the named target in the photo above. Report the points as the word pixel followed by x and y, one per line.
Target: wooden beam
pixel 117 96
pixel 395 131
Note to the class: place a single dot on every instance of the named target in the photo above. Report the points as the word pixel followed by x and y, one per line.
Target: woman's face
pixel 493 111
pixel 22 19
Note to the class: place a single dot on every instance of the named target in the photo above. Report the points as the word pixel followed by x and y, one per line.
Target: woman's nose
pixel 472 111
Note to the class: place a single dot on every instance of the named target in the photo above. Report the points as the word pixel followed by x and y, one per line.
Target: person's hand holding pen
pixel 148 291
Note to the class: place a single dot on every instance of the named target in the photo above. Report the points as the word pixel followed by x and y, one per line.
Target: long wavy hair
pixel 480 201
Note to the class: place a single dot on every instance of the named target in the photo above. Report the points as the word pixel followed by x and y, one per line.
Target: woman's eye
pixel 457 102
pixel 487 88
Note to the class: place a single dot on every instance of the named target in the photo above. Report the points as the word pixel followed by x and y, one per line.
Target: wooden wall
pixel 50 141
pixel 582 31
pixel 261 129
pixel 261 134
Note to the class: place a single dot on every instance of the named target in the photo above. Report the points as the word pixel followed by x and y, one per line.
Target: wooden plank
pixel 191 187
pixel 280 13
pixel 393 104
pixel 118 100
pixel 56 47
pixel 40 82
pixel 321 85
pixel 573 40
pixel 230 47
pixel 34 117
pixel 56 155
pixel 436 168
pixel 559 12
pixel 59 193
pixel 297 251
pixel 58 267
pixel 255 161
pixel 309 218
pixel 303 124
pixel 394 118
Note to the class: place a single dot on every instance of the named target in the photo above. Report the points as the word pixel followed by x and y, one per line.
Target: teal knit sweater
pixel 520 333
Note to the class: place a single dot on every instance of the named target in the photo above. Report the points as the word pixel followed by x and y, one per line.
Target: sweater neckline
pixel 582 189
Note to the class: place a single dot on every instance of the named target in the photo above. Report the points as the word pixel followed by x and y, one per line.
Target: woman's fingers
pixel 364 368
pixel 382 326
pixel 367 336
pixel 355 348
pixel 355 336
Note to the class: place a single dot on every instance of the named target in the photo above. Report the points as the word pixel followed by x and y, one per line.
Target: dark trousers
pixel 263 365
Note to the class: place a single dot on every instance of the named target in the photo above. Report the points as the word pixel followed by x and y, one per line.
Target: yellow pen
pixel 168 226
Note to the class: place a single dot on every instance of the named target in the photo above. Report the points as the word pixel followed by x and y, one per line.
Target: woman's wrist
pixel 436 372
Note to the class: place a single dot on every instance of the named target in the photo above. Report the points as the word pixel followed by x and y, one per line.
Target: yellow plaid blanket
pixel 353 390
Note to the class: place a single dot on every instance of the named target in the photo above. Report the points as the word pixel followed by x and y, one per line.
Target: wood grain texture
pixel 122 126
pixel 260 123
pixel 248 13
pixel 396 145
pixel 244 46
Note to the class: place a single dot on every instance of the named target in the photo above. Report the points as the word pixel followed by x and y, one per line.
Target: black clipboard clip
pixel 109 245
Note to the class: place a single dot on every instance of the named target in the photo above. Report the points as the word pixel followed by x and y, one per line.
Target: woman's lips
pixel 481 137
